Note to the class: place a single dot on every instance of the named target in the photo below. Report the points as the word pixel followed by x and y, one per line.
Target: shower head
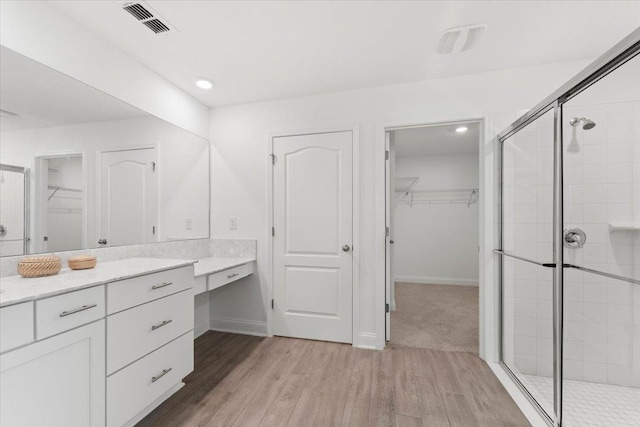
pixel 586 123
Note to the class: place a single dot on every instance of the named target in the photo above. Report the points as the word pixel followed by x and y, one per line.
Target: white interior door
pixel 128 197
pixel 313 233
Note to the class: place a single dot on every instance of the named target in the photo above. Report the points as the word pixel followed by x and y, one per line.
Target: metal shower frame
pixel 623 51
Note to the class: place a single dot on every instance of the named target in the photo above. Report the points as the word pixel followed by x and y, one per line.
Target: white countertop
pixel 206 266
pixel 15 289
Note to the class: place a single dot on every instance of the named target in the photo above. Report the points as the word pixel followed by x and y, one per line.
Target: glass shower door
pixel 527 280
pixel 601 139
pixel 14 209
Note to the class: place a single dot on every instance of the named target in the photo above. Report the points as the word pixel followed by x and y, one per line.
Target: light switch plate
pixel 233 224
pixel 188 223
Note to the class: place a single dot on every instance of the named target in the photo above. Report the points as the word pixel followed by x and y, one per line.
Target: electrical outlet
pixel 188 223
pixel 233 224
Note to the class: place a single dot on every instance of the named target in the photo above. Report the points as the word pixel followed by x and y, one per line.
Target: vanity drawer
pixel 227 276
pixel 138 290
pixel 133 333
pixel 139 384
pixel 68 311
pixel 16 325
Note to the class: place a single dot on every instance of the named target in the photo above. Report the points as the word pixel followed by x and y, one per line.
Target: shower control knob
pixel 574 237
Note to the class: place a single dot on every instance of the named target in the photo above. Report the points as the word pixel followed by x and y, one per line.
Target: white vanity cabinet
pixel 105 348
pixel 59 381
pixel 149 342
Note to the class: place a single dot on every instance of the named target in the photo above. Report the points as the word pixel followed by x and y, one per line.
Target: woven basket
pixel 39 266
pixel 82 262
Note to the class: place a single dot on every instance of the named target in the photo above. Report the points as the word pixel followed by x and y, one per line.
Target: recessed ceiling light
pixel 204 83
pixel 461 129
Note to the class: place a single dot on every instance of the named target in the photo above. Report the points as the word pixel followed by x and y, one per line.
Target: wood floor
pixel 250 381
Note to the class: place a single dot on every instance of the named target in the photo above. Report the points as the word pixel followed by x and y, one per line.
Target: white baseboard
pixel 368 340
pixel 201 327
pixel 516 394
pixel 236 326
pixel 436 280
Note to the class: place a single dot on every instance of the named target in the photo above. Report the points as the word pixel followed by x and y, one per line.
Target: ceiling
pixel 42 97
pixel 265 50
pixel 437 140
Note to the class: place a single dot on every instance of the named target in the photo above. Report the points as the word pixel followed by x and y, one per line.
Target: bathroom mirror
pixel 81 169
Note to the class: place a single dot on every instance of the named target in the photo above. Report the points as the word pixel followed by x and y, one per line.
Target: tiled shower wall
pixel 602 187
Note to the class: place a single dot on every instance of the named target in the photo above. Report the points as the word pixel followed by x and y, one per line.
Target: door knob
pixel 102 241
pixel 346 248
pixel 391 241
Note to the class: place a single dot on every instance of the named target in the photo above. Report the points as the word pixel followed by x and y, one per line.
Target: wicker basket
pixel 39 266
pixel 82 262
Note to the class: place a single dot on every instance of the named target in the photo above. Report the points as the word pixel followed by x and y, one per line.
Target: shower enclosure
pixel 14 210
pixel 569 246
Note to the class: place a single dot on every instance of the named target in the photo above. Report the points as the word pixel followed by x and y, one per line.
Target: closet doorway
pixel 432 214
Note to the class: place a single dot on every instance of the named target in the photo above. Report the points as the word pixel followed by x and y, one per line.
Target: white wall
pixel 239 138
pixel 437 243
pixel 183 165
pixel 41 32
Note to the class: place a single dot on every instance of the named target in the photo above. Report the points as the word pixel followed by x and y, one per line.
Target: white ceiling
pixel 266 50
pixel 43 97
pixel 437 140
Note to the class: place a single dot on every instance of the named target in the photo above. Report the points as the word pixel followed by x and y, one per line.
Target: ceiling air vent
pixel 147 16
pixel 156 26
pixel 460 39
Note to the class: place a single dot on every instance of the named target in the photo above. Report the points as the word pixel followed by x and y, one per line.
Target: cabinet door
pixel 59 381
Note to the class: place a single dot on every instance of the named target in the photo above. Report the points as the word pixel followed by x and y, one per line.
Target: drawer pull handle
pixel 164 372
pixel 164 323
pixel 162 285
pixel 77 310
pixel 231 276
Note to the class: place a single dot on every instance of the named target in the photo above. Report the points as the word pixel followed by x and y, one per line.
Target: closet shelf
pixel 467 196
pixel 56 190
pixel 403 187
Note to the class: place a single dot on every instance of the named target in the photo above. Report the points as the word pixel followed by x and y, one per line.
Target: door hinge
pixel 386 308
pixel 386 155
pixel 153 166
pixel 272 304
pixel 386 231
pixel 273 158
pixel 153 229
pixel 273 231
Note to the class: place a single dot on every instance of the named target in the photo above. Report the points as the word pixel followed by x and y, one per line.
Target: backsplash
pixel 183 249
pixel 233 248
